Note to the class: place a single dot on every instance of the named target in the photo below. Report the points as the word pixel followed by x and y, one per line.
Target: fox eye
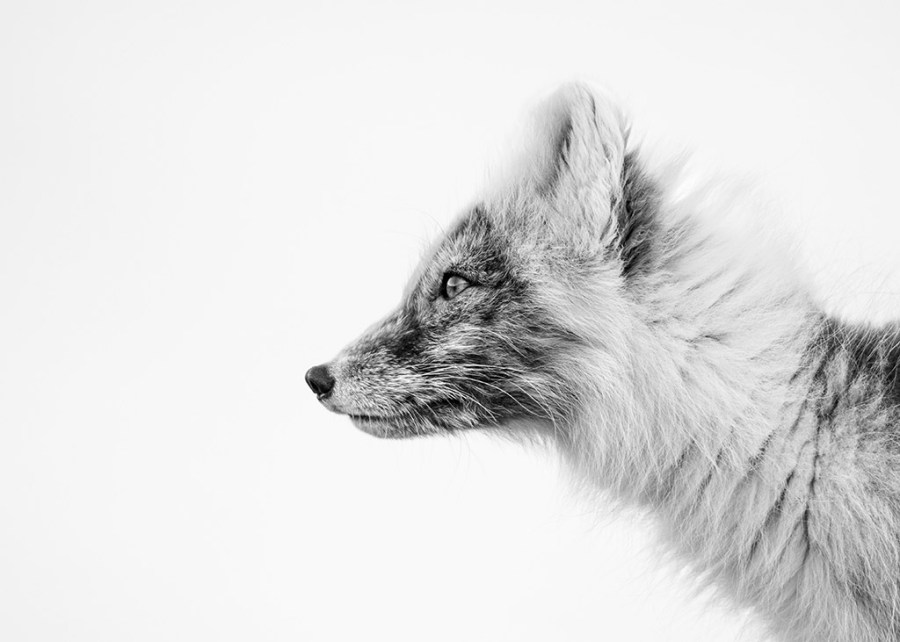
pixel 453 284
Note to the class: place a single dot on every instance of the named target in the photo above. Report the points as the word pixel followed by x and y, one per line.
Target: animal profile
pixel 608 306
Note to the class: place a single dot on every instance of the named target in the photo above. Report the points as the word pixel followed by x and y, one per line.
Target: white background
pixel 200 200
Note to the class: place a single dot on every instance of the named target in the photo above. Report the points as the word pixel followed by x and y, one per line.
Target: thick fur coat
pixel 677 360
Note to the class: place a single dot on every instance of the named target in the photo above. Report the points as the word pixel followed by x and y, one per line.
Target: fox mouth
pixel 441 415
pixel 427 421
pixel 432 411
pixel 371 418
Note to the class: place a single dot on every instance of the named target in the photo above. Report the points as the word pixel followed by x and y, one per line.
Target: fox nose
pixel 319 380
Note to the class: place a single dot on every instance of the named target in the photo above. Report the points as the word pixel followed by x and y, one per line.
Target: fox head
pixel 493 325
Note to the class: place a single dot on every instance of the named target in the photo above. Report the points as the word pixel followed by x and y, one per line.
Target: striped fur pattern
pixel 623 313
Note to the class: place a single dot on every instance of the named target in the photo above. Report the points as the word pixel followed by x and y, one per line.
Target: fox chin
pixel 607 305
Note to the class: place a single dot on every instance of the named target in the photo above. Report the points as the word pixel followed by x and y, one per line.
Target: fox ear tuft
pixel 579 158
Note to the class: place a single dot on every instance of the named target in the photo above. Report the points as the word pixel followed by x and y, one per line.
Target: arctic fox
pixel 603 306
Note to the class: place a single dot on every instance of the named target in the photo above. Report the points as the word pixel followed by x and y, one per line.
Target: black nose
pixel 319 380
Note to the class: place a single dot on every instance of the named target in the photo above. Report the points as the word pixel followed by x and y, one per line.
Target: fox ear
pixel 579 161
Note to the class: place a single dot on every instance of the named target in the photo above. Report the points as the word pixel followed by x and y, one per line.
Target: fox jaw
pixel 488 333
